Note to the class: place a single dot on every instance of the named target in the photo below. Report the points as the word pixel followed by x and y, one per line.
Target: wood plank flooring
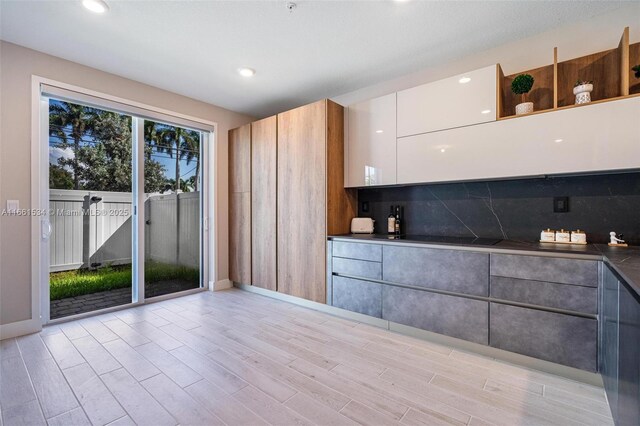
pixel 237 358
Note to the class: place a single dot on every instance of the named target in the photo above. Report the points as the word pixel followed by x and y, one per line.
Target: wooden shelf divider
pixel 555 78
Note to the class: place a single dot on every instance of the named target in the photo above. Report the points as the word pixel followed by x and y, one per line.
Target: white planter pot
pixel 524 108
pixel 583 93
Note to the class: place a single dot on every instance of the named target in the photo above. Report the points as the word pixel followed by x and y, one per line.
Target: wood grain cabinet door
pixel 240 237
pixel 240 159
pixel 240 204
pixel 302 212
pixel 263 202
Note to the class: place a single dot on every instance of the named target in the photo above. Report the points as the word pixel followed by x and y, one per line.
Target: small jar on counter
pixel 548 235
pixel 563 236
pixel 578 236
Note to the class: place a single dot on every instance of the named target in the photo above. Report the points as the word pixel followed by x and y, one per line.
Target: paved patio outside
pixel 107 299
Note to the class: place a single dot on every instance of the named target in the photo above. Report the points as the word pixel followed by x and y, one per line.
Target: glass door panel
pixel 172 208
pixel 90 200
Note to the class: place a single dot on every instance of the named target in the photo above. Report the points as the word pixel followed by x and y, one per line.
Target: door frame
pixel 40 225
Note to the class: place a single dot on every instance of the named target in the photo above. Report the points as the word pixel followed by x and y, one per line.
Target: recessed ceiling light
pixel 378 131
pixel 558 140
pixel 246 72
pixel 464 80
pixel 485 111
pixel 96 6
pixel 442 150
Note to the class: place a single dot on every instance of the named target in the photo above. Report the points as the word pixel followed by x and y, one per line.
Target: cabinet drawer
pixel 564 271
pixel 449 315
pixel 552 295
pixel 452 270
pixel 362 251
pixel 560 338
pixel 353 295
pixel 358 268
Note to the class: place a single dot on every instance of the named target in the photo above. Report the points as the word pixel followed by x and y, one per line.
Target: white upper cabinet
pixel 465 99
pixel 371 144
pixel 590 138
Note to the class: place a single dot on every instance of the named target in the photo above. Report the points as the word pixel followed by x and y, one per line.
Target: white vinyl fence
pixel 94 229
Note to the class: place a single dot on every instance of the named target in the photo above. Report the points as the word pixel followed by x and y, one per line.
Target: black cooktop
pixel 442 240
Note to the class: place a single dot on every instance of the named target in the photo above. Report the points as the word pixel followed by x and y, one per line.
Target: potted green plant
pixel 582 89
pixel 637 70
pixel 521 85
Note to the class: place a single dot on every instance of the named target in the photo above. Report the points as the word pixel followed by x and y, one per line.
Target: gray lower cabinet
pixel 550 269
pixel 451 270
pixel 560 338
pixel 628 395
pixel 609 337
pixel 449 315
pixel 357 268
pixel 542 293
pixel 360 296
pixel 361 251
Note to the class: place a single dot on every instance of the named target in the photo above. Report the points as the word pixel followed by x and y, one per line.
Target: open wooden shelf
pixel 541 94
pixel 634 59
pixel 606 69
pixel 610 71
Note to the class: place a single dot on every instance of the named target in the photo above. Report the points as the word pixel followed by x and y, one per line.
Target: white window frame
pixel 40 303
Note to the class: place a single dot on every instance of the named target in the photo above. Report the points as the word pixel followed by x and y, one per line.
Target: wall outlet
pixel 560 204
pixel 365 207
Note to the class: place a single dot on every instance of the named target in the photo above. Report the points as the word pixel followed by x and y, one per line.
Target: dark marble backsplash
pixel 513 209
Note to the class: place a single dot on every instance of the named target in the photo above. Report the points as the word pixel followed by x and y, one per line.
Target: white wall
pixel 17 65
pixel 593 35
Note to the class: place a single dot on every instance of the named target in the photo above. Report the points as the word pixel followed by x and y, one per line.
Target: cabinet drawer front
pixel 559 338
pixel 552 295
pixel 449 315
pixel 564 271
pixel 362 251
pixel 358 268
pixel 451 270
pixel 364 297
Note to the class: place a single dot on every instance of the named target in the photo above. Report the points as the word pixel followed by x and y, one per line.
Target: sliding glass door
pixel 125 209
pixel 172 208
pixel 90 208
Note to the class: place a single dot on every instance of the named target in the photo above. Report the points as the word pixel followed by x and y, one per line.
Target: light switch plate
pixel 13 205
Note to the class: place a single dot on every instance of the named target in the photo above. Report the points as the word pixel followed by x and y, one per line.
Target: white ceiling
pixel 322 49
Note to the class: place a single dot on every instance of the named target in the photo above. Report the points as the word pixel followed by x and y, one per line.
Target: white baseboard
pixel 224 284
pixel 20 328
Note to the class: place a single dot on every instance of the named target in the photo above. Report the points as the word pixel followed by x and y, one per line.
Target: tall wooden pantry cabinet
pixel 240 204
pixel 297 199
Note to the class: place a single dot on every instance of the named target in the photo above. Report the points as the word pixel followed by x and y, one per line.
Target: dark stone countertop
pixel 624 260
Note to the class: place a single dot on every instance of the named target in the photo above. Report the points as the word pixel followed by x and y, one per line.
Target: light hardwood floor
pixel 238 358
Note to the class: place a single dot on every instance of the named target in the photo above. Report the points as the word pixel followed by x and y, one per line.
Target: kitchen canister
pixel 548 235
pixel 578 236
pixel 563 236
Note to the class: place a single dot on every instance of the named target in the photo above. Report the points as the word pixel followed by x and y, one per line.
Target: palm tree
pixel 74 121
pixel 179 144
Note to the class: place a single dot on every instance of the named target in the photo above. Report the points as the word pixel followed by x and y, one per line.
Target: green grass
pixel 83 281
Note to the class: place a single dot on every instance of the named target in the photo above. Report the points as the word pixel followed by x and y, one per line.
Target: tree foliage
pixel 59 177
pixel 102 154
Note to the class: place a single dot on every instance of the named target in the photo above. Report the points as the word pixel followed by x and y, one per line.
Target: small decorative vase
pixel 524 108
pixel 583 93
